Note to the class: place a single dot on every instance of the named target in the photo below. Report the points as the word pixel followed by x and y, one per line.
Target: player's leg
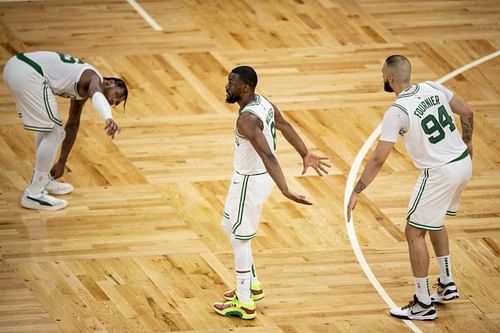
pixel 420 220
pixel 37 107
pixel 446 288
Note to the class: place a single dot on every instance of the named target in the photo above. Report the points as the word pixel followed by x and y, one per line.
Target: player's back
pixel 62 71
pixel 433 138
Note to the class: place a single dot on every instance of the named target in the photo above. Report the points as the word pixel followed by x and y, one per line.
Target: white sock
pixel 445 269
pixel 422 289
pixel 255 278
pixel 38 182
pixel 243 265
pixel 243 281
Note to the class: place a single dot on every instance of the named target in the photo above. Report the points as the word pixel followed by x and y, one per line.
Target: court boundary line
pixel 138 8
pixel 351 178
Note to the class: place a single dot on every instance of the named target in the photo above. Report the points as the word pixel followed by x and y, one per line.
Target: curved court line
pixel 351 178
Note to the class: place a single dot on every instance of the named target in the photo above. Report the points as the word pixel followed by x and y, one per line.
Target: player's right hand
pixel 111 128
pixel 298 198
pixel 57 170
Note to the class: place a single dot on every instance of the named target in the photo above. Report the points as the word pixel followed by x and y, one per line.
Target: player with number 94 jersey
pixel 422 116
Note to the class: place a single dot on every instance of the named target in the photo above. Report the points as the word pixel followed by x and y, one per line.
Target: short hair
pixel 401 65
pixel 247 75
pixel 122 85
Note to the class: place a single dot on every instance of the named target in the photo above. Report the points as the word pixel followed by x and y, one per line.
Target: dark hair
pixel 396 59
pixel 247 75
pixel 120 84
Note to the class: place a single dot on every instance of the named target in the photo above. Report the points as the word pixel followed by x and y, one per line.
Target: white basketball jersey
pixel 246 159
pixel 62 71
pixel 433 138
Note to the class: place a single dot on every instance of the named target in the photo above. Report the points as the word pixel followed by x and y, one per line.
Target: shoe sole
pixel 31 205
pixel 408 318
pixel 445 300
pixel 59 192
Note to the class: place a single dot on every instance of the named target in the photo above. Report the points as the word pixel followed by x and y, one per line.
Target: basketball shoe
pixel 42 201
pixel 236 308
pixel 56 188
pixel 444 292
pixel 415 310
pixel 256 292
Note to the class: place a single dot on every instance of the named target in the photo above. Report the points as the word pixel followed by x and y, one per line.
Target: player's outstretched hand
pixel 315 162
pixel 111 128
pixel 351 205
pixel 298 198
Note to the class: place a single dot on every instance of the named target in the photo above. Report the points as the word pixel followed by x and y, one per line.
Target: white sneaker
pixel 444 292
pixel 415 310
pixel 42 201
pixel 57 188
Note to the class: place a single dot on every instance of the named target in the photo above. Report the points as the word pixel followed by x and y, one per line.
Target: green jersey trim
pixel 410 93
pixel 402 108
pixel 30 62
pixel 461 157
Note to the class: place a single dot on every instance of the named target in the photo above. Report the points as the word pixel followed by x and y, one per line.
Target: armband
pixel 101 105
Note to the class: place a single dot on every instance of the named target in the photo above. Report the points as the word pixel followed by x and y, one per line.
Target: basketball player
pixel 34 78
pixel 422 116
pixel 256 169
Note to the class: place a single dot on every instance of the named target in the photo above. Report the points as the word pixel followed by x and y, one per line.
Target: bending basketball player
pixel 34 78
pixel 422 115
pixel 256 169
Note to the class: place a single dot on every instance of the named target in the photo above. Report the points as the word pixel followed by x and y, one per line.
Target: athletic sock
pixel 243 281
pixel 445 269
pixel 38 182
pixel 422 289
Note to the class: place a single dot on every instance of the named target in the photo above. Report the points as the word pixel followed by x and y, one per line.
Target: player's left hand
pixel 352 203
pixel 316 162
pixel 111 128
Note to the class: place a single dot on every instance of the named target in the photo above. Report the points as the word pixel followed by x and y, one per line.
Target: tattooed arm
pixel 461 108
pixel 377 160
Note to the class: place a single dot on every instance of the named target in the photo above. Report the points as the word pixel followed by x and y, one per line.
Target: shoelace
pixel 409 305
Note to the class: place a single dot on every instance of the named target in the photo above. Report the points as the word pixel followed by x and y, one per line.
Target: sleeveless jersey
pixel 62 71
pixel 432 138
pixel 246 159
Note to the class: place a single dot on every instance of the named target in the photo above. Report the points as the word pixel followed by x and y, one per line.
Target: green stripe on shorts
pixel 241 205
pixel 425 227
pixel 419 194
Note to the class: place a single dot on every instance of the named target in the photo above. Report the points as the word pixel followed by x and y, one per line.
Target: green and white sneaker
pixel 236 308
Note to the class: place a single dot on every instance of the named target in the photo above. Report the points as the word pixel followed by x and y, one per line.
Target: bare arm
pixel 372 168
pixel 461 108
pixel 308 159
pixel 248 126
pixel 71 128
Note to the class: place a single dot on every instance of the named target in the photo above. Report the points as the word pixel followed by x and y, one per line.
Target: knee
pixel 414 234
pixel 239 243
pixel 60 134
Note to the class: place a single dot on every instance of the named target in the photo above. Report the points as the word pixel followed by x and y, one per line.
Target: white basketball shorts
pixel 437 194
pixel 35 102
pixel 244 202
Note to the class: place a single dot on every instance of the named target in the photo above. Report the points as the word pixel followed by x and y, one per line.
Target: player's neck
pixel 401 87
pixel 246 99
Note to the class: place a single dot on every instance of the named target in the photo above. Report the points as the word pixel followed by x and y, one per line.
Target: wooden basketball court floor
pixel 139 248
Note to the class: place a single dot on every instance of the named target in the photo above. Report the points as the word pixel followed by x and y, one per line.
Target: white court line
pixel 351 178
pixel 145 15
